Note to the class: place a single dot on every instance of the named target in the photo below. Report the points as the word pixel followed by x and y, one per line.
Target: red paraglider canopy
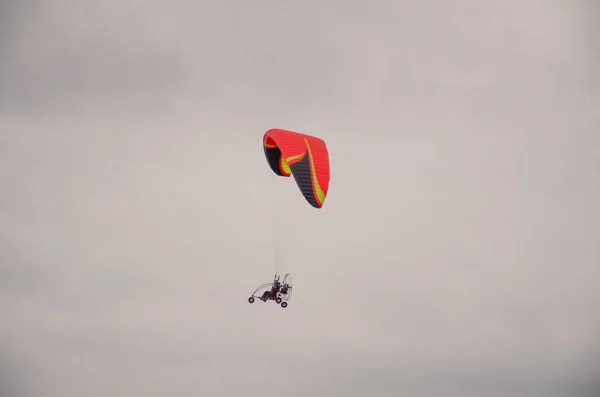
pixel 303 156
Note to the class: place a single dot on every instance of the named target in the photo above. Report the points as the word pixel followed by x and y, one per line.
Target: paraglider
pixel 305 157
pixel 278 291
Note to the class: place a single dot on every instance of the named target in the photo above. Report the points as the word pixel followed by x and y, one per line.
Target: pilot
pixel 274 289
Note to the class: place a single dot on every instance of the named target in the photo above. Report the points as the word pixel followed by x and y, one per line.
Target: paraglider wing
pixel 303 156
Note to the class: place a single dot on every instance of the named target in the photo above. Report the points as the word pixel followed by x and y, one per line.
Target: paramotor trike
pixel 281 293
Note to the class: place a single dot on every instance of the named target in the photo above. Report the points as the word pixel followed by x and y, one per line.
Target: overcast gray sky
pixel 457 252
